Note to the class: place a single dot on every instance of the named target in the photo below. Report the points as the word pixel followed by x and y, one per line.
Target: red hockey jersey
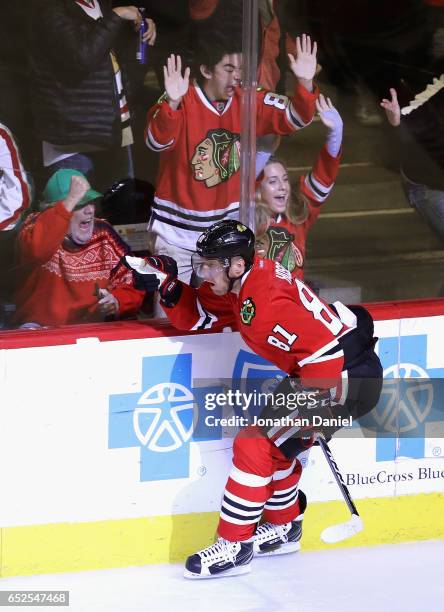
pixel 279 317
pixel 199 180
pixel 284 241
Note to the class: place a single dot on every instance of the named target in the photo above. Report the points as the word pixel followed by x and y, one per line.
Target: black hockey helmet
pixel 128 201
pixel 226 239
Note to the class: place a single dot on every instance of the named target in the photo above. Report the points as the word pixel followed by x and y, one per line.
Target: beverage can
pixel 141 54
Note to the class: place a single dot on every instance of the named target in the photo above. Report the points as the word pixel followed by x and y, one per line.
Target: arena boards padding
pixel 70 547
pixel 94 476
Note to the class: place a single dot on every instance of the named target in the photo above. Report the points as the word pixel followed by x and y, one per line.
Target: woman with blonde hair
pixel 291 214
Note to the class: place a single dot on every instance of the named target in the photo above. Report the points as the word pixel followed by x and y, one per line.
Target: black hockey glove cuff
pixel 311 402
pixel 304 411
pixel 170 292
pixel 170 289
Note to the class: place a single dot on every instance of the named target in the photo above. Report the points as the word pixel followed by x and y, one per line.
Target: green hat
pixel 57 188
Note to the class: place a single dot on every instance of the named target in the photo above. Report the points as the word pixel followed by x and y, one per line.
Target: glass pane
pixel 377 234
pixel 148 109
pixel 359 223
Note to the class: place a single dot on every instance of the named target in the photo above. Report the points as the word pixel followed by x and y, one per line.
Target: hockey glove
pixel 322 412
pixel 170 289
pixel 305 411
pixel 157 272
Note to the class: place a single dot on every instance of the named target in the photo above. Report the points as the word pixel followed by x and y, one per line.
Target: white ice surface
pixel 388 578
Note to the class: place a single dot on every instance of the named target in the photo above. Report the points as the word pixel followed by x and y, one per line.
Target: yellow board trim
pixel 71 547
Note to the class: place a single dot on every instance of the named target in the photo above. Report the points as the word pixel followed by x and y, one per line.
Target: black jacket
pixel 73 95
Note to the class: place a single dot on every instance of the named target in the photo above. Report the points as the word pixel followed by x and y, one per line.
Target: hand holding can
pixel 141 54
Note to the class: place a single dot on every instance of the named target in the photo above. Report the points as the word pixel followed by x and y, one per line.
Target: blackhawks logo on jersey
pixel 248 311
pixel 217 157
pixel 277 244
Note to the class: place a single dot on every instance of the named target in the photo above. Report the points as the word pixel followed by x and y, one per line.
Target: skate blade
pixel 290 547
pixel 235 571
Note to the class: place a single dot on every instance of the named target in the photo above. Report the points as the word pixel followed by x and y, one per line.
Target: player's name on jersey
pixel 286 421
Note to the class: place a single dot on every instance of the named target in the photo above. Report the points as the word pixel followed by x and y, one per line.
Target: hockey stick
pixel 342 531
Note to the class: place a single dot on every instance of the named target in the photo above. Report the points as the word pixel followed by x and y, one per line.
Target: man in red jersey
pixel 327 351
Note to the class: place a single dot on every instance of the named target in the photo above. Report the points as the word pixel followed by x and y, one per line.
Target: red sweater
pixel 58 284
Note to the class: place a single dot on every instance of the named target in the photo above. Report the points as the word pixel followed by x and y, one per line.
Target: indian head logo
pixel 277 244
pixel 217 157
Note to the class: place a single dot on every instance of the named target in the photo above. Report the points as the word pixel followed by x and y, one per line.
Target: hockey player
pixel 326 351
pixel 195 127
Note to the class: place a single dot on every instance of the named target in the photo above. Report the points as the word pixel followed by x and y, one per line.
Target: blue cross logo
pixel 162 419
pixel 404 410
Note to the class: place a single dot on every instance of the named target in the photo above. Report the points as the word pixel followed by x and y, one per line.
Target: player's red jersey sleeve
pixel 200 309
pixel 278 114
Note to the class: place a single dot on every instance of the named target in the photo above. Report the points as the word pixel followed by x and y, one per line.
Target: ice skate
pixel 273 539
pixel 223 558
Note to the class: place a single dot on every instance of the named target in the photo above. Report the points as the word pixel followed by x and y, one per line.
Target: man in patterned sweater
pixel 69 260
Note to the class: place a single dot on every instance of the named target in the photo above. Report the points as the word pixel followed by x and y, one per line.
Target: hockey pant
pixel 360 388
pixel 355 395
pixel 262 483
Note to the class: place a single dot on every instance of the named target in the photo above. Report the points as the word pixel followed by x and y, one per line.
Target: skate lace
pixel 267 531
pixel 222 550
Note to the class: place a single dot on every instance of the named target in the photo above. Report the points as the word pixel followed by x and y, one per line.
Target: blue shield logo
pixel 254 375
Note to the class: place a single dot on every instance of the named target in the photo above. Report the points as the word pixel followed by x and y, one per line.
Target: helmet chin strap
pixel 231 281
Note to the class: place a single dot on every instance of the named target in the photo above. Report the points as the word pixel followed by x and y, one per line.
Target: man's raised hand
pixel 304 64
pixel 78 187
pixel 176 85
pixel 392 108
